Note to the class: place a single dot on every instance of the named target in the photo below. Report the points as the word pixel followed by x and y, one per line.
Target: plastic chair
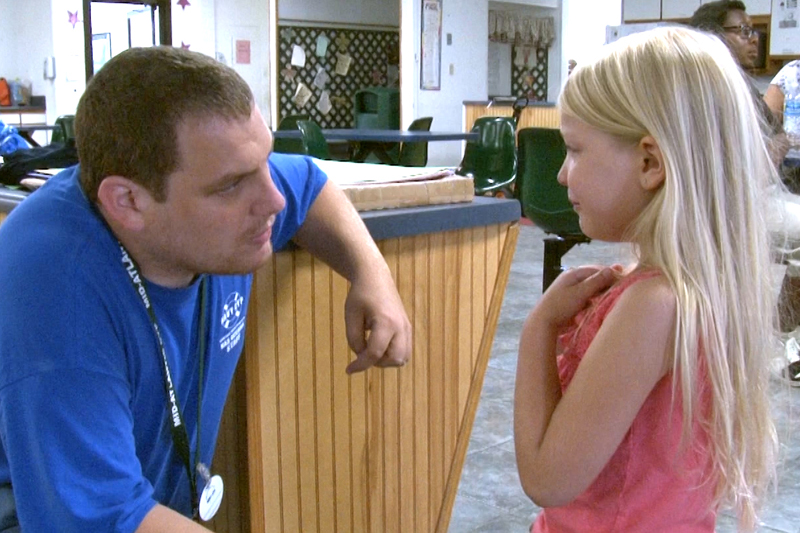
pixel 65 129
pixel 289 146
pixel 314 143
pixel 415 154
pixel 492 160
pixel 544 200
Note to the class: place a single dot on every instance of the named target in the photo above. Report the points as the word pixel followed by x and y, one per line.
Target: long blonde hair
pixel 705 229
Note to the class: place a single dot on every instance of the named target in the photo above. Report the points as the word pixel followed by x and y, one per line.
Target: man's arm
pixel 378 329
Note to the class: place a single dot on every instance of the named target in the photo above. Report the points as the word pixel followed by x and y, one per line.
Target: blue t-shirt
pixel 85 429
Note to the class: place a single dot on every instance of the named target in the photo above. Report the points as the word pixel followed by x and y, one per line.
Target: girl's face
pixel 609 181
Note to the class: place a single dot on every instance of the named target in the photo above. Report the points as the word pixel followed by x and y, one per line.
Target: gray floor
pixel 489 496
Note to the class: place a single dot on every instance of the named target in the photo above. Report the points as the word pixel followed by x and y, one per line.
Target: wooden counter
pixel 303 447
pixel 535 114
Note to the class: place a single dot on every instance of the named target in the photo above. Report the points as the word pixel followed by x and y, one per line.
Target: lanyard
pixel 180 437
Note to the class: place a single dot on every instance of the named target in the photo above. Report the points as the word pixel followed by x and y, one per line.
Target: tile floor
pixel 489 497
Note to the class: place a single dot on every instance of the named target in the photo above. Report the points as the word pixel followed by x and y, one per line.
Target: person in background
pixel 641 393
pixel 728 19
pixel 126 283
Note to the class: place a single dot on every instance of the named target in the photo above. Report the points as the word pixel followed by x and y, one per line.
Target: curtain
pixel 519 30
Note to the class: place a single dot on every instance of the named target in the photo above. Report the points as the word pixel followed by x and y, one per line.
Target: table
pixel 26 131
pixel 364 142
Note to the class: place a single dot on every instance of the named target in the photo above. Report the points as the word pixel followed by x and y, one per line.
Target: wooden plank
pixel 342 442
pixel 390 426
pixel 287 393
pixel 406 287
pixel 260 353
pixel 439 463
pixel 424 518
pixel 324 369
pixel 484 351
pixel 465 310
pixel 305 392
pixel 450 352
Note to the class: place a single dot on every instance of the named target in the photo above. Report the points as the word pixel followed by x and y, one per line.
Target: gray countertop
pixel 400 222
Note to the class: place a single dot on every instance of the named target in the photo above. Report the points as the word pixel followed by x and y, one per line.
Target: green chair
pixel 544 200
pixel 65 129
pixel 415 154
pixel 314 143
pixel 492 159
pixel 289 146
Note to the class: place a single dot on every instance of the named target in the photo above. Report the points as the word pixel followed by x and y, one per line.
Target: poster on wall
pixel 784 39
pixel 431 54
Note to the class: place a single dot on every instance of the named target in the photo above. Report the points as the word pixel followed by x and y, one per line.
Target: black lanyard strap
pixel 179 435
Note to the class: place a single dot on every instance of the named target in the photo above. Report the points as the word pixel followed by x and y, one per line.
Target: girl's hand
pixel 571 292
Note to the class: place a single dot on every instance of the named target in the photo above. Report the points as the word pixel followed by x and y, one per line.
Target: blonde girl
pixel 641 396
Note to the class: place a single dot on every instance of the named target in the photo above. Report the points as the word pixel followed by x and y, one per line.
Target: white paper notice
pixel 298 56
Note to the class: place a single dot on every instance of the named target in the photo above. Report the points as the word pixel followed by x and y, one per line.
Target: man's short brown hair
pixel 126 122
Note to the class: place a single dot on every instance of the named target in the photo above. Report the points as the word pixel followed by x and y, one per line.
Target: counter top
pixel 506 103
pixel 392 223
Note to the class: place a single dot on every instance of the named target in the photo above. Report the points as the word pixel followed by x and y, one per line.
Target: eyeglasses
pixel 744 31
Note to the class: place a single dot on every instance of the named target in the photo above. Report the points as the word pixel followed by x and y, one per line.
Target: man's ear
pixel 653 170
pixel 124 202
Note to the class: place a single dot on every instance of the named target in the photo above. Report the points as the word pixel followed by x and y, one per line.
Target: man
pixel 125 286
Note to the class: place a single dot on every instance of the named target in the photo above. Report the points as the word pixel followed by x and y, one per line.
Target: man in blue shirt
pixel 126 282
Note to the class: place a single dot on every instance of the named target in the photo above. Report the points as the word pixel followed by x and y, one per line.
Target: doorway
pixel 111 26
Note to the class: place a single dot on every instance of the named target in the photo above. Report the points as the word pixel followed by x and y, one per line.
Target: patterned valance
pixel 516 29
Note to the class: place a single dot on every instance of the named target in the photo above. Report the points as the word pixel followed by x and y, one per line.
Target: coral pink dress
pixel 651 484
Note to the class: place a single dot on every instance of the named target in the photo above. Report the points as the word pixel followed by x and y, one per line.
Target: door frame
pixel 164 25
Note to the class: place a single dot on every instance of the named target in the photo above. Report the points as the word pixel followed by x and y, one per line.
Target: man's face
pixel 220 203
pixel 743 47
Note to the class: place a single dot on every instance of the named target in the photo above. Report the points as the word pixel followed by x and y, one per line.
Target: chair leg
pixel 554 250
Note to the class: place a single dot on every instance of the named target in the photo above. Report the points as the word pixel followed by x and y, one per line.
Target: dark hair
pixel 126 122
pixel 711 17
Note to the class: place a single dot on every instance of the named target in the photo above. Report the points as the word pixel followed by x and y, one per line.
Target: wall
pixel 583 28
pixel 25 40
pixel 467 21
pixel 246 20
pixel 372 12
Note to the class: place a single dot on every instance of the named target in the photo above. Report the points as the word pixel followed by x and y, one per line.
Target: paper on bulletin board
pixel 784 39
pixel 242 52
pixel 431 65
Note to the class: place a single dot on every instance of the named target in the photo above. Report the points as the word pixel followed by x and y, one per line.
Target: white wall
pixel 373 12
pixel 583 28
pixel 468 22
pixel 246 20
pixel 25 41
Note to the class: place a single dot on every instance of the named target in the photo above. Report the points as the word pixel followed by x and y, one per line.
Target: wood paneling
pixel 532 116
pixel 380 451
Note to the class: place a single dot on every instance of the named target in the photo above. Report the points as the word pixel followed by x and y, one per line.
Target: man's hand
pixel 378 329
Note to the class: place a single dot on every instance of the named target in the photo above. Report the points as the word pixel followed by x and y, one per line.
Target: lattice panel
pixel 375 58
pixel 529 77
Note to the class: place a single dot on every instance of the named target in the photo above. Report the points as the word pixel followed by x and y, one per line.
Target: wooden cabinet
pixel 639 10
pixel 304 447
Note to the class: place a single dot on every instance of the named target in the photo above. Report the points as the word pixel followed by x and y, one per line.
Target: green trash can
pixel 377 108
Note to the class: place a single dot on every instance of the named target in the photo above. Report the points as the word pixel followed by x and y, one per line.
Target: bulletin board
pixel 374 62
